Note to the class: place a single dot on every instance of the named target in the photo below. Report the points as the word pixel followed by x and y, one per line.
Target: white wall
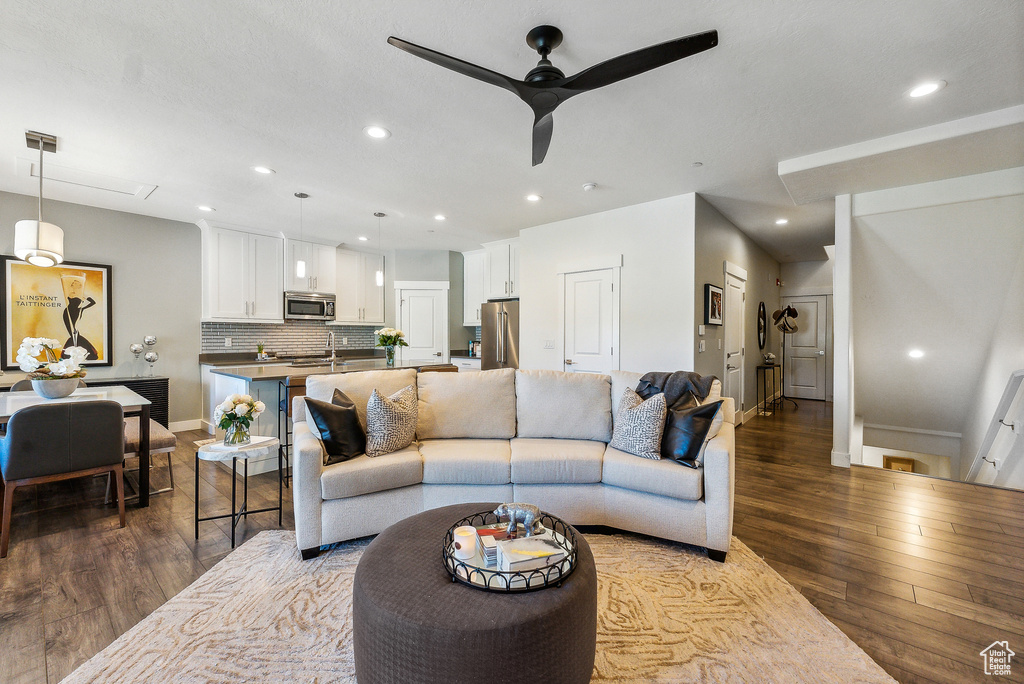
pixel 155 282
pixel 846 440
pixel 809 277
pixel 927 464
pixel 656 244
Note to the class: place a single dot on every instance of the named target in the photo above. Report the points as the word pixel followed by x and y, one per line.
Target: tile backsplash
pixel 290 337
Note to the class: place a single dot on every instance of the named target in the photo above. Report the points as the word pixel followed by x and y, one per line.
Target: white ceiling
pixel 933 279
pixel 187 96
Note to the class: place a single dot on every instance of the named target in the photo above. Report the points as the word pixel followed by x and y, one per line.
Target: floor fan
pixel 784 323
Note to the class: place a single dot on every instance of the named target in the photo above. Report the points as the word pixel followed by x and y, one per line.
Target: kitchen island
pixel 275 384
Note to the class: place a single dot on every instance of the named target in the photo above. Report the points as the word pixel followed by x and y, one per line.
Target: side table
pixel 258 447
pixel 767 403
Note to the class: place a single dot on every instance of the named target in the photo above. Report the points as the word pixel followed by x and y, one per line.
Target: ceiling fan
pixel 546 87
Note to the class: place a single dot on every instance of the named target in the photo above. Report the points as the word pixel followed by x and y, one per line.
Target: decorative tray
pixel 475 572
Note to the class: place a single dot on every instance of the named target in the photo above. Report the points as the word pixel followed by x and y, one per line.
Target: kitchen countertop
pixel 280 371
pixel 249 358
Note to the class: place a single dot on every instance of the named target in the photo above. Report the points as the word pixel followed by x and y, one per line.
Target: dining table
pixel 131 403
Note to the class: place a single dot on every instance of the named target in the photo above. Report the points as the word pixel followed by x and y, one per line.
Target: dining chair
pixel 60 441
pixel 161 441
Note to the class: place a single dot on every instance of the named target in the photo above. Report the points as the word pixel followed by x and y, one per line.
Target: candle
pixel 464 542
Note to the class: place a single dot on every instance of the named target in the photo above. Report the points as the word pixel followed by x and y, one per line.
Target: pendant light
pixel 380 271
pixel 300 265
pixel 37 242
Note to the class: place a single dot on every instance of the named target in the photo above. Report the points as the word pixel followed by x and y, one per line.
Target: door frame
pixel 610 262
pixel 731 269
pixel 438 285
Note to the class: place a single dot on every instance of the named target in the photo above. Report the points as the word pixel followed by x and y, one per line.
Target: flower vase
pixel 237 435
pixel 389 352
pixel 56 388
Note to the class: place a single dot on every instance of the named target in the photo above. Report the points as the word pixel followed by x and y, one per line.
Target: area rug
pixel 666 613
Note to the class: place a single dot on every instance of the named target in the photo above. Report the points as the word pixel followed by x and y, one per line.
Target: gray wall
pixel 156 284
pixel 422 264
pixel 717 240
pixel 459 335
pixel 436 264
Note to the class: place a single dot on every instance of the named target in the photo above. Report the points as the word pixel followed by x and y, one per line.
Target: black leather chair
pixel 53 442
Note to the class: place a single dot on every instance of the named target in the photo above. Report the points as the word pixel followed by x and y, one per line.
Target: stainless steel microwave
pixel 309 306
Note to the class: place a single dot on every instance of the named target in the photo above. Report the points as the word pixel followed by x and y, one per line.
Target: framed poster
pixel 712 304
pixel 70 302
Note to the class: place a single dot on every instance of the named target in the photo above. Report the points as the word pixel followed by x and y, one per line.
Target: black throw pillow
pixel 686 428
pixel 339 428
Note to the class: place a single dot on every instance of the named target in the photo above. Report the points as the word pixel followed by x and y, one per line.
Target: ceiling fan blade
pixel 458 65
pixel 542 127
pixel 645 59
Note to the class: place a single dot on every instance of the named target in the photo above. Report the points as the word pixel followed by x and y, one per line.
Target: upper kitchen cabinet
pixel 501 269
pixel 317 271
pixel 243 279
pixel 474 286
pixel 359 298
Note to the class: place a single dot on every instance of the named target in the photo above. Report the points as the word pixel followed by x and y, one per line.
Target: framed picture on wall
pixel 712 304
pixel 70 302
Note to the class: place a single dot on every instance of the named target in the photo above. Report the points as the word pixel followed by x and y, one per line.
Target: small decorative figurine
pixel 528 514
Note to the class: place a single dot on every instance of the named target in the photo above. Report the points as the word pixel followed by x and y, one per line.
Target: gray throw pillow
pixel 390 421
pixel 639 425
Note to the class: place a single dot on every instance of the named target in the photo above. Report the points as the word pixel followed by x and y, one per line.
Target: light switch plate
pixel 700 331
pixel 700 345
pixel 549 344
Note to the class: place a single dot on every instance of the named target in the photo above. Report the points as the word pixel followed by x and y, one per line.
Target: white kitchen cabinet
pixel 359 298
pixel 473 295
pixel 318 272
pixel 243 276
pixel 501 269
pixel 466 365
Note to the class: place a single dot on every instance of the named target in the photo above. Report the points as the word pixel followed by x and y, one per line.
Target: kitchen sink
pixel 312 363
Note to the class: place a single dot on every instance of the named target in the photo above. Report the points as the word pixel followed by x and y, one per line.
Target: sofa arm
pixel 720 487
pixel 307 495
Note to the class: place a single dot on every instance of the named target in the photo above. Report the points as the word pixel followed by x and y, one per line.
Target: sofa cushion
pixel 715 395
pixel 465 461
pixel 687 430
pixel 621 381
pixel 359 386
pixel 563 405
pixel 639 424
pixel 664 477
pixel 337 424
pixel 390 421
pixel 365 475
pixel 467 405
pixel 553 461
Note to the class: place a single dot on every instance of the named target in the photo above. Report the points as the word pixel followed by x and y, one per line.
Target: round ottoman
pixel 412 624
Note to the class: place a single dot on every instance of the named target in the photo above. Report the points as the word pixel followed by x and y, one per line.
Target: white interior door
pixel 734 309
pixel 805 349
pixel 591 322
pixel 423 317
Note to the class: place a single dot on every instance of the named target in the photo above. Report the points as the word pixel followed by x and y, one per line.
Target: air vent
pixel 29 168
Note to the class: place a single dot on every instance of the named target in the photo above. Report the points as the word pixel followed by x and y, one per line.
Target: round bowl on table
pixel 55 389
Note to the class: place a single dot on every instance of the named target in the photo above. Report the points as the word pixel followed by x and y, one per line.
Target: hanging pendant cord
pixel 40 180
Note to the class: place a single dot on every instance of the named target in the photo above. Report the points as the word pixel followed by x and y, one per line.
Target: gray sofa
pixel 532 436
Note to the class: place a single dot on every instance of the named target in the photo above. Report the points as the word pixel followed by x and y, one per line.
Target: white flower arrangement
pixel 390 337
pixel 238 408
pixel 52 367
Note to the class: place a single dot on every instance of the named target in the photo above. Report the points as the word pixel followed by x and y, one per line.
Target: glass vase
pixel 389 352
pixel 237 435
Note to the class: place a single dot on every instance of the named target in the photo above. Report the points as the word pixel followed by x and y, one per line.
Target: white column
pixel 842 299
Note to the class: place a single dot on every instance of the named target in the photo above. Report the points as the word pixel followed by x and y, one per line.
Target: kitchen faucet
pixel 330 344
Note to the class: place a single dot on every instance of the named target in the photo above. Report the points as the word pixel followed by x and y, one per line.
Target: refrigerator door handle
pixel 499 337
pixel 504 337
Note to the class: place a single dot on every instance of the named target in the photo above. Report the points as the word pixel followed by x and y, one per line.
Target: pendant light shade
pixel 39 243
pixel 35 241
pixel 380 271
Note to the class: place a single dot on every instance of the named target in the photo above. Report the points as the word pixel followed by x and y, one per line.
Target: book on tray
pixel 528 553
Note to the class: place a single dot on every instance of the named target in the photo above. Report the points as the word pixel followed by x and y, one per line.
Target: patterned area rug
pixel 665 614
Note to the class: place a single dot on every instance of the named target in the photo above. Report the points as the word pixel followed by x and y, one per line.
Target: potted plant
pixel 52 377
pixel 389 338
pixel 235 415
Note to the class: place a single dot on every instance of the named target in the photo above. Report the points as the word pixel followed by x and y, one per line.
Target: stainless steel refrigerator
pixel 499 334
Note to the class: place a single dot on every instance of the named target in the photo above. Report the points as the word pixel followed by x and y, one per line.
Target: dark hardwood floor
pixel 921 573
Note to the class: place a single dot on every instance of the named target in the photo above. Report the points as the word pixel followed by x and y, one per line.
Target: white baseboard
pixel 752 413
pixel 181 425
pixel 840 458
pixel 209 427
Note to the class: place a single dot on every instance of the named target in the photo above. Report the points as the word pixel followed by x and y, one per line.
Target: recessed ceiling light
pixel 378 132
pixel 697 165
pixel 927 88
pixel 203 207
pixel 781 222
pixel 440 217
pixel 533 198
pixel 262 169
pixel 363 238
pixel 915 353
pixel 587 187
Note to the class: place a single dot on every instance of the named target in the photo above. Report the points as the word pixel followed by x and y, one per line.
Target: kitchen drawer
pixel 467 364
